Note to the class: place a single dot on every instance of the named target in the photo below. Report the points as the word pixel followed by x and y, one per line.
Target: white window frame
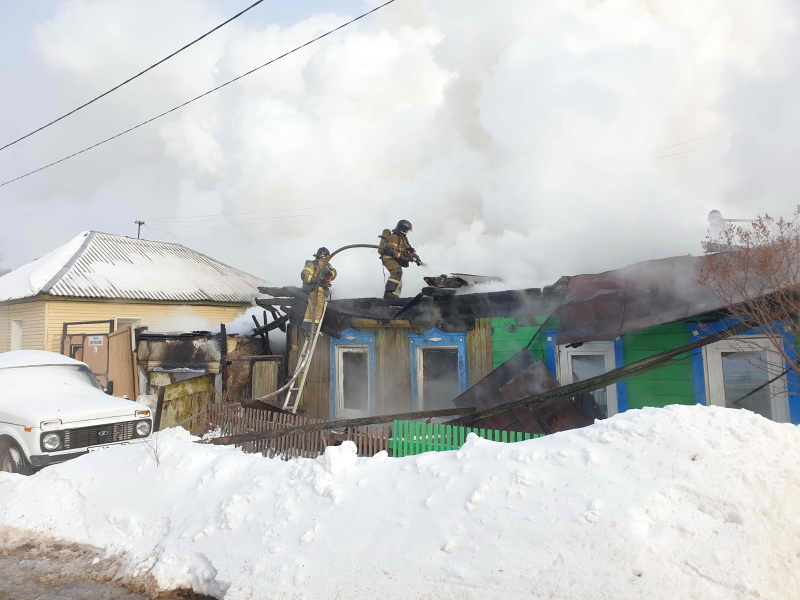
pixel 340 412
pixel 17 338
pixel 603 348
pixel 715 387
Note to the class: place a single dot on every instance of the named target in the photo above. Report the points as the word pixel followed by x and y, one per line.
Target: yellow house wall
pixel 33 315
pixel 152 315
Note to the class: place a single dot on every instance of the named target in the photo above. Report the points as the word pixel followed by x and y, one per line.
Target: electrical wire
pixel 201 95
pixel 686 151
pixel 181 237
pixel 151 67
pixel 274 210
pixel 702 137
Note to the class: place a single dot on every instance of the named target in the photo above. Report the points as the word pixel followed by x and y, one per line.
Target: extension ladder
pixel 304 363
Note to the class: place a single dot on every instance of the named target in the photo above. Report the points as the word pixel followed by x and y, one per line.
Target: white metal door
pixel 737 371
pixel 588 360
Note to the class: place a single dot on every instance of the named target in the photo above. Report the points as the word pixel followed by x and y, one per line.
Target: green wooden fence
pixel 413 437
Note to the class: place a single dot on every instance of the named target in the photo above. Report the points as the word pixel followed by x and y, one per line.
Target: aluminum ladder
pixel 304 363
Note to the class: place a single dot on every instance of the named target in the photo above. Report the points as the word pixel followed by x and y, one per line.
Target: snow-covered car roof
pixel 34 358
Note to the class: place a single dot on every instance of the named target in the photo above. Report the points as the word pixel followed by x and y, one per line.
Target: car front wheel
pixel 12 461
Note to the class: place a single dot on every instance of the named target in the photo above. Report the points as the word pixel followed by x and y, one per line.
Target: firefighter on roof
pixel 396 253
pixel 317 276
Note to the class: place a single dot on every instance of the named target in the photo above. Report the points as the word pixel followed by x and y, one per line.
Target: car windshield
pixel 77 376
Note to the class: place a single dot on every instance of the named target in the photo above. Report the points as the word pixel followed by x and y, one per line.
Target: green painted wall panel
pixel 508 336
pixel 673 384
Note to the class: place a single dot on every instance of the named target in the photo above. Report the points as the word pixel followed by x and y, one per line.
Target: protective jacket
pixel 397 248
pixel 313 275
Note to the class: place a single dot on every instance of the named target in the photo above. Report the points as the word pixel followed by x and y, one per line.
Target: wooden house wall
pixel 672 384
pixel 33 317
pixel 392 367
pixel 508 336
pixel 479 351
pixel 151 313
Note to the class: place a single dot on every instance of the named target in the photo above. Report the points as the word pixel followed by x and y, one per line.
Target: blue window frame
pixel 702 330
pixel 352 356
pixel 434 338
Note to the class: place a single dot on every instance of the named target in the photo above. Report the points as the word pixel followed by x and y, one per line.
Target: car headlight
pixel 143 428
pixel 51 441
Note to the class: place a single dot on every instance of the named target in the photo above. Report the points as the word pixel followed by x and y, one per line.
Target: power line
pixel 201 95
pixel 273 210
pixel 181 237
pixel 685 151
pixel 132 78
pixel 702 137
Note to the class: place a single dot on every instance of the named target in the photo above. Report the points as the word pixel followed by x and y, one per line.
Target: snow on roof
pixel 34 358
pixel 104 266
pixel 680 502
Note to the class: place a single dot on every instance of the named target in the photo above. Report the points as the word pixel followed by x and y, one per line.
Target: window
pixel 438 368
pixel 738 372
pixel 738 375
pixel 353 375
pixel 17 334
pixel 589 360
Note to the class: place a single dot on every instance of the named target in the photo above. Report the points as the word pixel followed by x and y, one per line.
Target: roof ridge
pixel 76 255
pixel 197 252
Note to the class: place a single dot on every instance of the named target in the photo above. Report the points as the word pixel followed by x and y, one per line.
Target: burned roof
pixel 641 295
pixel 593 307
pixel 448 313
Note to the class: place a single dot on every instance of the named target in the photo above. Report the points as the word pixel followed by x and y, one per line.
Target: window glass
pixel 585 366
pixel 742 373
pixel 440 378
pixel 355 379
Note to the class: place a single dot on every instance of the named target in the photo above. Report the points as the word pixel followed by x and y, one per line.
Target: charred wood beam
pixel 279 323
pixel 262 331
pixel 276 433
pixel 614 376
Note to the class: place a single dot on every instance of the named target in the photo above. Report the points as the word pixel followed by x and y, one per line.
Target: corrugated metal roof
pixel 113 267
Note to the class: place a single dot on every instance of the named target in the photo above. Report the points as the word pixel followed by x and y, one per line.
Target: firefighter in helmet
pixel 396 253
pixel 317 276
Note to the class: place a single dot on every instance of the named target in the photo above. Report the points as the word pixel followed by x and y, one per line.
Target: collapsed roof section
pixel 447 313
pixel 591 307
pixel 641 295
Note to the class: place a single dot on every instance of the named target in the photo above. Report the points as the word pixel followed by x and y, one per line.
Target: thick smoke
pixel 517 137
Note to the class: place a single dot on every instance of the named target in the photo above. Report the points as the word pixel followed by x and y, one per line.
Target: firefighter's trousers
pixel 316 302
pixel 395 281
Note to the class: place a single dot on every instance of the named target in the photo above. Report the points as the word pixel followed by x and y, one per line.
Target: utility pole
pixel 138 233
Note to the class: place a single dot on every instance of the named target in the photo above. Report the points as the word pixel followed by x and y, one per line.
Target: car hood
pixel 29 408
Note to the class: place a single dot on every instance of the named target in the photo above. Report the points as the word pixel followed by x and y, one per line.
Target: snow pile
pixel 682 502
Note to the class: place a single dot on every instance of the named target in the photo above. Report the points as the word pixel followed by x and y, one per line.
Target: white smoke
pixel 517 137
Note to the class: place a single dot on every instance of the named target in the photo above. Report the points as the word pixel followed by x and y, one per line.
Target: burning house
pixel 649 328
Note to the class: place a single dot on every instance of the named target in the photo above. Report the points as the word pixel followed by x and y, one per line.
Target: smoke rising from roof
pixel 518 138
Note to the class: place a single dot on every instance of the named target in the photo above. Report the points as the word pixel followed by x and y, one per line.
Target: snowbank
pixel 682 502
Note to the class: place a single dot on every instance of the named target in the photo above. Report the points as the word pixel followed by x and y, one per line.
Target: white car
pixel 52 409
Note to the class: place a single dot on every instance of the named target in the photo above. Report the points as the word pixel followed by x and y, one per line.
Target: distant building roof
pixel 112 267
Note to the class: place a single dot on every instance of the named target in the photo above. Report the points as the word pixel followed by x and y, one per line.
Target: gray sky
pixel 518 137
